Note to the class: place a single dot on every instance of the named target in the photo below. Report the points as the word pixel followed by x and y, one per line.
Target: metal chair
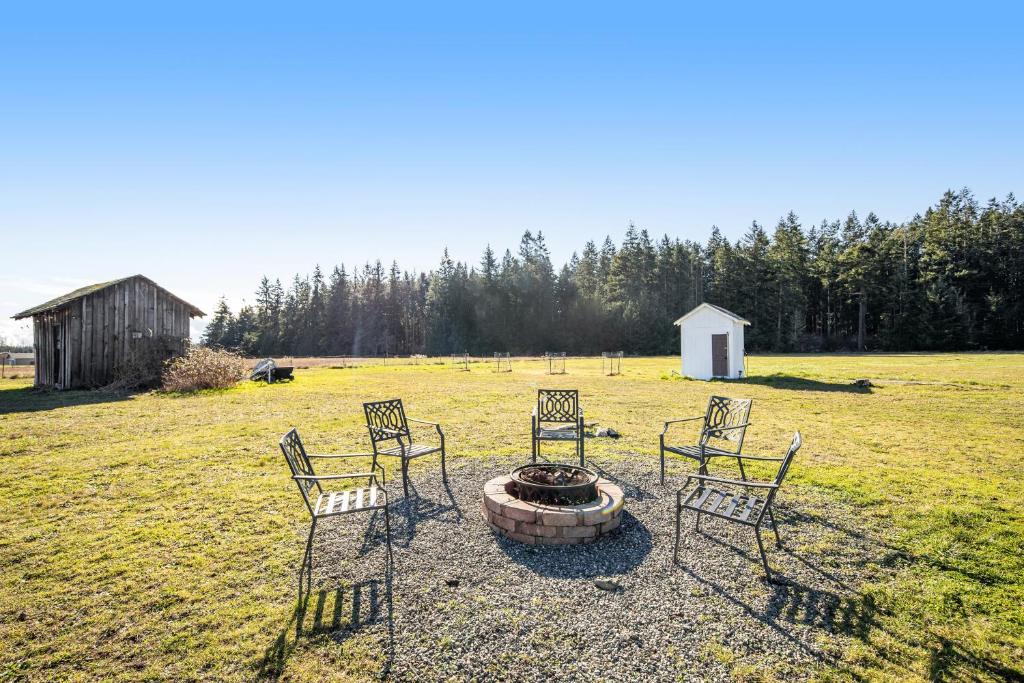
pixel 721 435
pixel 733 499
pixel 334 502
pixel 560 408
pixel 386 422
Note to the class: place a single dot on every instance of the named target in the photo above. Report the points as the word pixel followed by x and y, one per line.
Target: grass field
pixel 157 536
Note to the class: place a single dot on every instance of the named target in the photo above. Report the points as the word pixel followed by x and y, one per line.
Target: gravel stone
pixel 532 613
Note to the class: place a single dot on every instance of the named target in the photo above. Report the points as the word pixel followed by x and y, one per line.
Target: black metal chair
pixel 721 435
pixel 334 502
pixel 557 417
pixel 734 500
pixel 386 421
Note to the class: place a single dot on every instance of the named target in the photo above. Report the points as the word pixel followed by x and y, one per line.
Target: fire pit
pixel 552 504
pixel 553 484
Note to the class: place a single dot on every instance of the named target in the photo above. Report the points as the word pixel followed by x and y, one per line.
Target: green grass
pixel 157 537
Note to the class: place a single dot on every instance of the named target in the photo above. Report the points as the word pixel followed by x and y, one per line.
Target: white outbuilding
pixel 711 342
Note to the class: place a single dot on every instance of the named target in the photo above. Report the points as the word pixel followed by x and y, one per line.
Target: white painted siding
pixel 695 343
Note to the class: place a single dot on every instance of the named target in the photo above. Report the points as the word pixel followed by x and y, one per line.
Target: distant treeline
pixel 950 279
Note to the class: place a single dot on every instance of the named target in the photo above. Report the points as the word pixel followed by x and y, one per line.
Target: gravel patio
pixel 463 603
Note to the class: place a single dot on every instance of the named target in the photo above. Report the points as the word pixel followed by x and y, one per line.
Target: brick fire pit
pixel 550 524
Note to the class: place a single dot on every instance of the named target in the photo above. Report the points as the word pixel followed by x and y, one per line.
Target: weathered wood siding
pixel 96 333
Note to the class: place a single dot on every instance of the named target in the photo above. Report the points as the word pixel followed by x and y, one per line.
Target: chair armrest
pixel 729 427
pixel 768 458
pixel 325 477
pixel 435 425
pixel 734 482
pixel 682 419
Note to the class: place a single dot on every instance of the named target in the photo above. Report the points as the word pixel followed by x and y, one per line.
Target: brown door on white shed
pixel 719 355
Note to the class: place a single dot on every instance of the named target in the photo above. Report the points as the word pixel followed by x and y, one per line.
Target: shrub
pixel 143 368
pixel 204 368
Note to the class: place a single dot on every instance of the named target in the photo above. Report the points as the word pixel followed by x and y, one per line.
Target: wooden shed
pixel 711 342
pixel 82 338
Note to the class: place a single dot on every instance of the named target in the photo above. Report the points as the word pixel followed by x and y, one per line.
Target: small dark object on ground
pixel 608 585
pixel 863 382
pixel 452 583
pixel 609 432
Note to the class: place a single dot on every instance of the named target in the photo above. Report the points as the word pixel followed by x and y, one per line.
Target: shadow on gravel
pixel 337 613
pixel 630 489
pixel 407 513
pixel 619 552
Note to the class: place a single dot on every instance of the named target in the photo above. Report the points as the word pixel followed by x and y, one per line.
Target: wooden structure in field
pixel 83 337
pixel 611 362
pixel 502 361
pixel 556 362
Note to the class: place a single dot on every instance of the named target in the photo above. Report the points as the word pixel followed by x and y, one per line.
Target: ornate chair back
pixel 726 412
pixel 385 421
pixel 558 405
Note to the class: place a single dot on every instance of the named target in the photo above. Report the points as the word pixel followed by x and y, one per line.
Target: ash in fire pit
pixel 553 484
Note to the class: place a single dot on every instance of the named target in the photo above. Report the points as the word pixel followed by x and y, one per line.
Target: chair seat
pixel 411 451
pixel 734 505
pixel 694 451
pixel 556 435
pixel 350 500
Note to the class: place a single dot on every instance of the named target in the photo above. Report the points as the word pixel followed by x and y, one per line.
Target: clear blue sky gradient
pixel 207 146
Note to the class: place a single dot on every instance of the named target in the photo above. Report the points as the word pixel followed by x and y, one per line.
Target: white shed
pixel 711 342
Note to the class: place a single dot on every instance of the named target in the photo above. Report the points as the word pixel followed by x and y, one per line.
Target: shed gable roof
pixel 65 299
pixel 716 309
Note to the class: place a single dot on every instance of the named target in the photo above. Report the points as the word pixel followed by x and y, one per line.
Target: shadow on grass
pixel 793 383
pixel 31 400
pixel 366 603
pixel 834 607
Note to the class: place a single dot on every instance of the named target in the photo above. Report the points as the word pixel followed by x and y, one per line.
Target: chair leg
pixel 309 548
pixel 764 558
pixel 743 474
pixel 775 527
pixel 679 514
pixel 661 449
pixel 444 469
pixel 696 524
pixel 405 476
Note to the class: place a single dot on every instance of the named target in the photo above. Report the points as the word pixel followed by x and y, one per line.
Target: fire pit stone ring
pixel 546 524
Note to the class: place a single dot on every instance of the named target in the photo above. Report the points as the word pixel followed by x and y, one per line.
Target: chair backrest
pixel 558 405
pixel 726 412
pixel 386 415
pixel 298 463
pixel 794 446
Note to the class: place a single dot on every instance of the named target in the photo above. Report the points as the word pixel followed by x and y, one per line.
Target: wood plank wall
pixel 97 332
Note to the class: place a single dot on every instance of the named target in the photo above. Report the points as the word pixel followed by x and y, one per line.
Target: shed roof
pixel 62 301
pixel 717 309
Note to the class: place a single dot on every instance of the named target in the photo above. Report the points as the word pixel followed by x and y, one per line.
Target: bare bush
pixel 144 365
pixel 204 368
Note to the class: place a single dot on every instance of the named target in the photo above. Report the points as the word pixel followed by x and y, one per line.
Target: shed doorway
pixel 720 355
pixel 58 366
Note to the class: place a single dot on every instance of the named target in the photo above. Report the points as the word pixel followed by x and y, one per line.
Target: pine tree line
pixel 949 279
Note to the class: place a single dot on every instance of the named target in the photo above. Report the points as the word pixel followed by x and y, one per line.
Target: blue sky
pixel 204 147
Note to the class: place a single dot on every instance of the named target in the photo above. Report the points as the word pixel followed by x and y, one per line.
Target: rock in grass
pixel 608 585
